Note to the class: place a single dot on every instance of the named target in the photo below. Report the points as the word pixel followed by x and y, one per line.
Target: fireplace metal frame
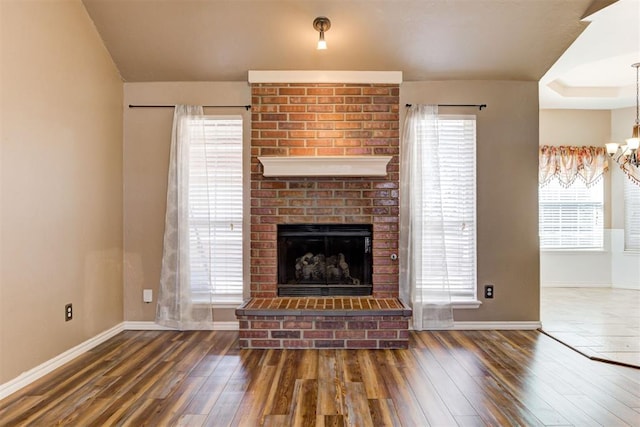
pixel 326 231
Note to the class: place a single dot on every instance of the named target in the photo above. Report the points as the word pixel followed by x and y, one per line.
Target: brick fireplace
pixel 324 120
pixel 337 120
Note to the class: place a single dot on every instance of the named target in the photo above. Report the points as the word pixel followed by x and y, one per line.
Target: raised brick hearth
pixel 324 322
pixel 323 120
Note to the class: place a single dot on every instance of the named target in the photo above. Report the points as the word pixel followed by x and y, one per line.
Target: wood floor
pixel 470 378
pixel 602 323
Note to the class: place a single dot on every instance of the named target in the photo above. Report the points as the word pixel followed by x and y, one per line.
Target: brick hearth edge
pixel 372 323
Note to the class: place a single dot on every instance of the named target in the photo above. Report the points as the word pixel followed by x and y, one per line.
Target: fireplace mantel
pixel 345 166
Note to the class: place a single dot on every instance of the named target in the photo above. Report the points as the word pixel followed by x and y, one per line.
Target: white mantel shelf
pixel 327 166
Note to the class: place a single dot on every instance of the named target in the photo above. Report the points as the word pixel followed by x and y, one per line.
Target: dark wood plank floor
pixel 201 378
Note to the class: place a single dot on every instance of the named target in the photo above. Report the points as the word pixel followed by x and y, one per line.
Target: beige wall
pixel 507 139
pixel 61 183
pixel 575 127
pixel 507 159
pixel 625 265
pixel 622 121
pixel 147 139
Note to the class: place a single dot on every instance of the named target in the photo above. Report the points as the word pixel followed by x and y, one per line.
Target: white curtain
pixel 423 257
pixel 176 307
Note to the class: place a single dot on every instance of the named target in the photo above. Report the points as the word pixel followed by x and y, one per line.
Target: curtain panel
pixel 566 163
pixel 423 255
pixel 176 307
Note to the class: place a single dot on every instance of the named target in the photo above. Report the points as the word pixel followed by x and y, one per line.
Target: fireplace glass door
pixel 324 259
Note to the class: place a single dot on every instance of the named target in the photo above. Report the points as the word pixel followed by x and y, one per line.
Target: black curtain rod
pixel 246 107
pixel 478 106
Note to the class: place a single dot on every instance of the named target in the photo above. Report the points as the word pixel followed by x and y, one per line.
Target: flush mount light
pixel 321 24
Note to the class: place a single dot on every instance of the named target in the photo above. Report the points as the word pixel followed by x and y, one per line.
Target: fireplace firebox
pixel 324 259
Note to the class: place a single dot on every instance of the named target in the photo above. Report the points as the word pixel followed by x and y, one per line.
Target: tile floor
pixel 601 323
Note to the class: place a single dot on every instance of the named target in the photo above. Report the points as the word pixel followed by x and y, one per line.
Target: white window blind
pixel 457 150
pixel 631 215
pixel 571 217
pixel 215 208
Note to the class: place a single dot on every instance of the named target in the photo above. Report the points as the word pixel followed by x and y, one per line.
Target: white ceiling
pixel 595 71
pixel 220 40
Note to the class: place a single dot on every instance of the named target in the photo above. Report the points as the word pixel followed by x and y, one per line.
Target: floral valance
pixel 568 163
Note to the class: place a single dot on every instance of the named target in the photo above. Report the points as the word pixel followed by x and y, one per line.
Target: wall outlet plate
pixel 488 291
pixel 68 312
pixel 147 295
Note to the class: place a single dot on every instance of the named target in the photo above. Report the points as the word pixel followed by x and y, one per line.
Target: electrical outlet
pixel 68 312
pixel 488 291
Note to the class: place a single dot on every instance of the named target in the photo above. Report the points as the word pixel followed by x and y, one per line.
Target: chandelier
pixel 628 153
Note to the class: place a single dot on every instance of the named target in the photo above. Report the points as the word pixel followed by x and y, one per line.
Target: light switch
pixel 147 295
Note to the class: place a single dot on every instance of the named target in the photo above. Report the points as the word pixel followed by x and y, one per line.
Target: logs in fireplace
pixel 324 259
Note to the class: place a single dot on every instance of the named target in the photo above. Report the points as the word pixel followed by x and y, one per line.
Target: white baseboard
pixel 138 325
pixel 481 326
pixel 43 369
pixel 631 287
pixel 152 326
pixel 489 326
pixel 573 285
pixel 232 325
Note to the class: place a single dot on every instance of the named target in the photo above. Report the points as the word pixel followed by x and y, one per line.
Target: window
pixel 457 153
pixel 631 215
pixel 571 217
pixel 215 208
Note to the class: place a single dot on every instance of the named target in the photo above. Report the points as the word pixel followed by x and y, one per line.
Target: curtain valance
pixel 567 163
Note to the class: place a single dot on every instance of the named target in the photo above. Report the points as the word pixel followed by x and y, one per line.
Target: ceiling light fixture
pixel 629 151
pixel 321 24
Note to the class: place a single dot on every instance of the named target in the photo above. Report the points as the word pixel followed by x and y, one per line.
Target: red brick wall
pixel 281 331
pixel 324 120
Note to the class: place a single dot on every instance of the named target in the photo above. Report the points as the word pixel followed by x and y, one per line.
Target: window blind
pixel 571 217
pixel 215 208
pixel 457 152
pixel 631 215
